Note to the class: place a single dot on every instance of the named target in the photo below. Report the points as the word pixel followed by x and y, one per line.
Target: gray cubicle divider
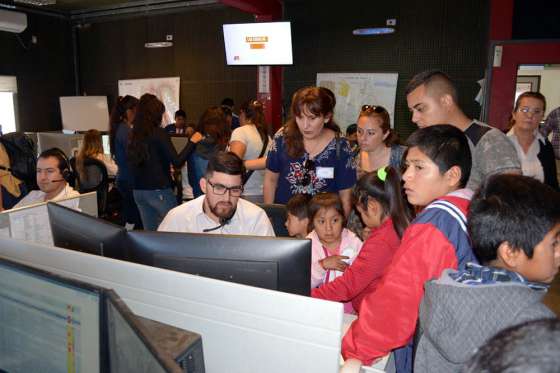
pixel 243 328
pixel 31 223
pixel 179 142
pixel 66 142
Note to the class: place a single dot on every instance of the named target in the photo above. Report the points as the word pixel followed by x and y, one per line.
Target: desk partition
pixel 243 328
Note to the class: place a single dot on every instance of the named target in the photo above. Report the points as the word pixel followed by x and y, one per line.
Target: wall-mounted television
pixel 261 43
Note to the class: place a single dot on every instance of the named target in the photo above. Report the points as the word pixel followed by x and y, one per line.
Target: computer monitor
pixel 282 264
pixel 277 215
pixel 77 231
pixel 49 323
pixel 106 146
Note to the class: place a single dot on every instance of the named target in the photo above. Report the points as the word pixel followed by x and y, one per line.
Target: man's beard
pixel 222 212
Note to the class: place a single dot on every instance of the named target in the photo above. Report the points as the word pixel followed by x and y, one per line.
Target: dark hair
pixel 298 205
pixel 118 116
pixel 437 83
pixel 60 156
pixel 388 194
pixel 381 113
pixel 212 123
pixel 351 129
pixel 446 146
pixel 535 95
pixel 227 102
pixel 149 113
pixel 323 201
pixel 254 111
pixel 319 102
pixel 225 162
pixel 516 209
pixel 528 347
pixel 180 113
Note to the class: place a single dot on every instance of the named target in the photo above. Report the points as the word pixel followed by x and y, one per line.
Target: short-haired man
pixel 432 99
pixel 52 171
pixel 220 210
pixel 180 126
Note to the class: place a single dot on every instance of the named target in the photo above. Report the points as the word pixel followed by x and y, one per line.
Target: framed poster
pixel 527 83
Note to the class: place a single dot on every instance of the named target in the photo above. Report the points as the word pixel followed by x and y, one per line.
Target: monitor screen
pixel 81 232
pixel 130 348
pixel 105 142
pixel 282 264
pixel 48 323
pixel 260 43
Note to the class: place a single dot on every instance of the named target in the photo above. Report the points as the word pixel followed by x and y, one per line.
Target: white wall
pixel 550 85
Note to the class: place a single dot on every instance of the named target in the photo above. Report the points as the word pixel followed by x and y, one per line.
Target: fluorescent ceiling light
pixel 159 44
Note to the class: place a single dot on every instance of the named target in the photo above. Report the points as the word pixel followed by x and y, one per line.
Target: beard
pixel 223 210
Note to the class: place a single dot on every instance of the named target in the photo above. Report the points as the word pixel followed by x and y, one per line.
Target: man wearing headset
pixel 220 210
pixel 53 171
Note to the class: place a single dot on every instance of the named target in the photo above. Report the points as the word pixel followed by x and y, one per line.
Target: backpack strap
pixel 249 173
pixel 476 131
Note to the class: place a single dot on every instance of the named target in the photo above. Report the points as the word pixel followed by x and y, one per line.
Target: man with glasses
pixel 220 209
pixel 432 99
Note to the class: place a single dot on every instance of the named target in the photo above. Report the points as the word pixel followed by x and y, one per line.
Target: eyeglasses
pixel 219 189
pixel 308 167
pixel 527 110
pixel 374 109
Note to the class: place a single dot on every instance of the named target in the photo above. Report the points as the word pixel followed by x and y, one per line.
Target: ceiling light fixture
pixel 373 31
pixel 159 44
pixel 36 2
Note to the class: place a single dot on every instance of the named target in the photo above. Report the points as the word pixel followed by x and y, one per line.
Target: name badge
pixel 325 172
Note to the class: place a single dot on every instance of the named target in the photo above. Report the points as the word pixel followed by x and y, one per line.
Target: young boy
pixel 297 221
pixel 438 163
pixel 514 225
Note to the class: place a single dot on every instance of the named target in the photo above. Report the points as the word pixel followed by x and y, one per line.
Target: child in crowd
pixel 514 225
pixel 297 221
pixel 437 167
pixel 333 247
pixel 378 198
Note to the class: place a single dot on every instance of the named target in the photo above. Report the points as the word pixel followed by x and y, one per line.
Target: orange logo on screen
pixel 256 42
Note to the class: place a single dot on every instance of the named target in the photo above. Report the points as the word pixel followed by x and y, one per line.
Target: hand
pixel 335 262
pixel 351 366
pixel 365 233
pixel 196 137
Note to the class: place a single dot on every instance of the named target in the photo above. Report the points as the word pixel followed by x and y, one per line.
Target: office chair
pixel 277 215
pixel 95 178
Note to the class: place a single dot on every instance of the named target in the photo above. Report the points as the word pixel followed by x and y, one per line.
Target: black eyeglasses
pixel 219 189
pixel 374 109
pixel 308 167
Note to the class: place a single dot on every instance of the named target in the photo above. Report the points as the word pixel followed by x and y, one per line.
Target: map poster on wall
pixel 353 90
pixel 166 89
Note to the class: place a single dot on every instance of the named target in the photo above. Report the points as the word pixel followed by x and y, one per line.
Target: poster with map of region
pixel 352 90
pixel 166 89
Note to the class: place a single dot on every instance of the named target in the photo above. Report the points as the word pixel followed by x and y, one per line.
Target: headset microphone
pixel 223 222
pixel 57 180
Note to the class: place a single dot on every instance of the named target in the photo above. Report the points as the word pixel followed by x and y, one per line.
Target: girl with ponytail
pixel 379 200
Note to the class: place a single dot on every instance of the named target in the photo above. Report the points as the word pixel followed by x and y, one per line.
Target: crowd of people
pixel 436 244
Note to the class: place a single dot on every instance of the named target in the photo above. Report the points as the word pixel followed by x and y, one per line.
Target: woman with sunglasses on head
pixel 377 141
pixel 534 151
pixel 308 155
pixel 251 141
pixel 379 148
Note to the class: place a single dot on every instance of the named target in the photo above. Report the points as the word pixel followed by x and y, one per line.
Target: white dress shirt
pixel 530 163
pixel 248 219
pixel 38 196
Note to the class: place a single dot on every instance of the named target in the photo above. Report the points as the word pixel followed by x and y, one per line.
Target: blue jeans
pixel 197 170
pixel 154 205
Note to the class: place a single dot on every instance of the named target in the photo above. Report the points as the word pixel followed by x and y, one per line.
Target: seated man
pixel 52 171
pixel 180 126
pixel 219 209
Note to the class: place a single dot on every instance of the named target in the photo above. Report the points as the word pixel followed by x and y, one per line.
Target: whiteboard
pixel 82 113
pixel 166 89
pixel 353 90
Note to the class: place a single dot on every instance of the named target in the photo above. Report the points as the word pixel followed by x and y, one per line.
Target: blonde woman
pixel 92 147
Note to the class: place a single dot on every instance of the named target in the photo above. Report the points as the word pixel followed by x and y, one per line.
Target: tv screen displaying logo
pixel 263 43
